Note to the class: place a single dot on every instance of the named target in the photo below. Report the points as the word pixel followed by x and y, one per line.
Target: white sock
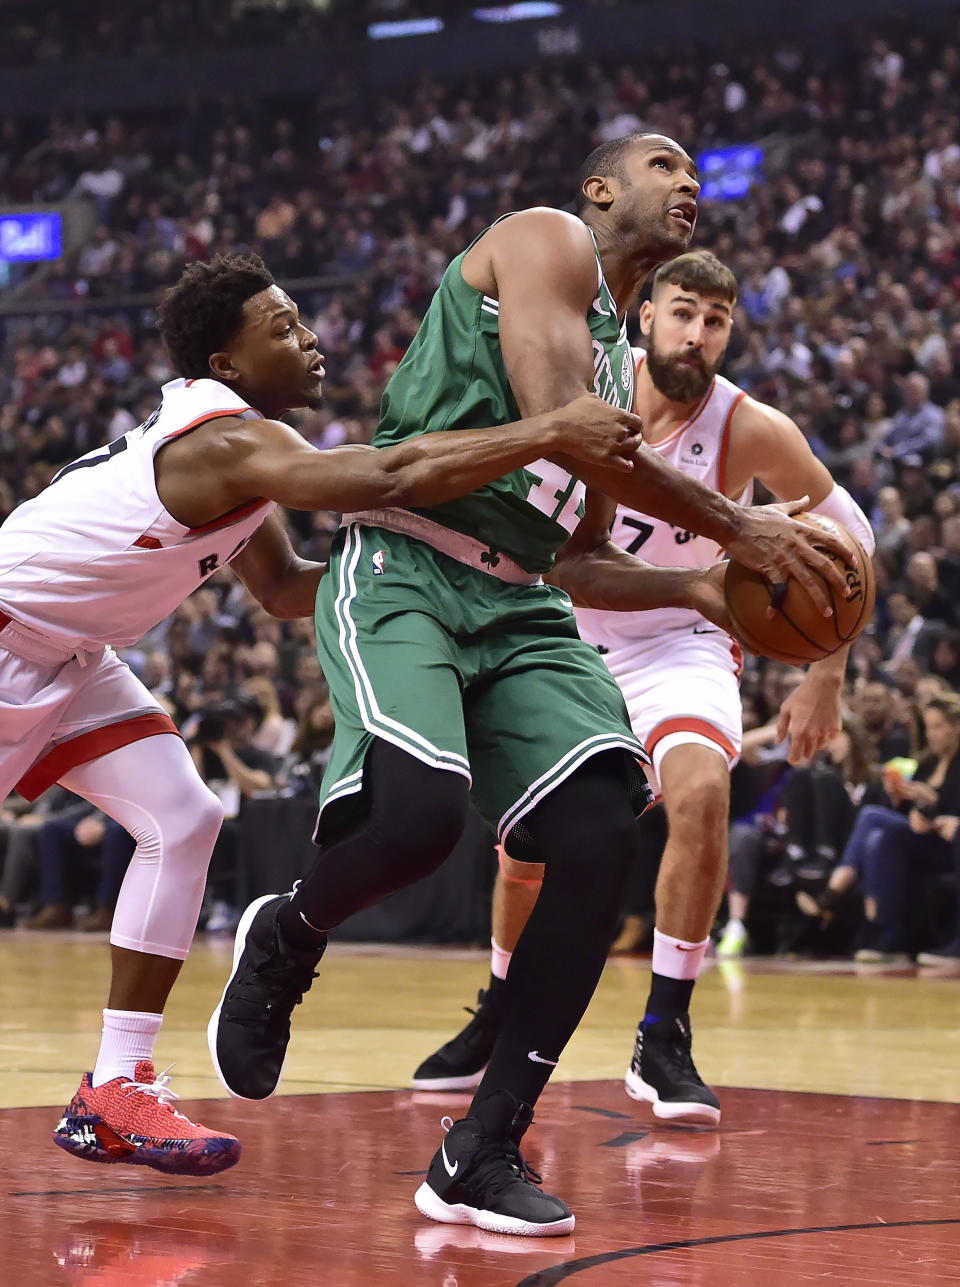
pixel 128 1036
pixel 734 925
pixel 499 960
pixel 675 958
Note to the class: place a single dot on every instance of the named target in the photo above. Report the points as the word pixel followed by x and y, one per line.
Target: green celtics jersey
pixel 453 377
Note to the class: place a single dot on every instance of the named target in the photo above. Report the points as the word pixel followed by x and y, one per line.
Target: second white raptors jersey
pixel 95 558
pixel 697 447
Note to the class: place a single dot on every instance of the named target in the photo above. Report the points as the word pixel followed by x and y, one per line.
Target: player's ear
pixel 222 367
pixel 647 310
pixel 598 192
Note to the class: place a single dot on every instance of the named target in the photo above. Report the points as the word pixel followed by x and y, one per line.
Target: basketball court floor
pixel 838 1159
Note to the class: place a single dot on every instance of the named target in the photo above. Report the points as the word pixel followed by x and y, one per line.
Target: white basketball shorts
pixel 58 710
pixel 682 686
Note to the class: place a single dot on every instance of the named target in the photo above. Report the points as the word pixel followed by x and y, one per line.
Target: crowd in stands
pixel 848 256
pixel 104 29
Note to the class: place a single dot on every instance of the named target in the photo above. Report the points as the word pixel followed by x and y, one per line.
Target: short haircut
pixel 699 271
pixel 607 162
pixel 202 313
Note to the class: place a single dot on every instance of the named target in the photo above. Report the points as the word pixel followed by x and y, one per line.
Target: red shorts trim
pixel 689 724
pixel 51 767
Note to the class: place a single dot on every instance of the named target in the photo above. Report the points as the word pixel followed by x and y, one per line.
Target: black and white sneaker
pixel 250 1028
pixel 460 1064
pixel 662 1073
pixel 479 1177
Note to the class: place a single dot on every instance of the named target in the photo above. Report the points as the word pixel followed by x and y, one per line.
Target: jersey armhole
pixel 725 443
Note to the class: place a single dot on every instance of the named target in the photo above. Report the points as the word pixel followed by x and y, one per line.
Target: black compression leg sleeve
pixel 588 836
pixel 402 826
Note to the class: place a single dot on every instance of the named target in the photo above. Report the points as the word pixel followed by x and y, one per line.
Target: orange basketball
pixel 799 632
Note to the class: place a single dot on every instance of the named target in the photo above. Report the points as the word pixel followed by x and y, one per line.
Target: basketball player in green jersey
pixel 452 664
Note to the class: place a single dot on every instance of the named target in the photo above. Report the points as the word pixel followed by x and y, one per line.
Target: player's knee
pixel 621 841
pixel 425 827
pixel 204 816
pixel 185 833
pixel 698 812
pixel 614 844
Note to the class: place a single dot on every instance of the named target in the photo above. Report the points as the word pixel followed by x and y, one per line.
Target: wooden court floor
pixel 838 1159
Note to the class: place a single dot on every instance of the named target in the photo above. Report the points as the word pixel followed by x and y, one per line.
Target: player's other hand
pixel 770 541
pixel 591 430
pixel 811 716
pixel 705 594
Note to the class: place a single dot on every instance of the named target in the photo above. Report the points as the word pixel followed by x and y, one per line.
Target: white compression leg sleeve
pixel 152 788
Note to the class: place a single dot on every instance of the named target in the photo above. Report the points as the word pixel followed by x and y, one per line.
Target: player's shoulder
pixel 544 228
pixel 754 418
pixel 199 394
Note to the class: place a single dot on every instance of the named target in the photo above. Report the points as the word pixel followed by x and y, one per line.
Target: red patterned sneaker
pixel 135 1122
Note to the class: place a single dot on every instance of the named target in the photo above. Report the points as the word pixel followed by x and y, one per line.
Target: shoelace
pixel 159 1089
pixel 483 1015
pixel 496 1164
pixel 276 976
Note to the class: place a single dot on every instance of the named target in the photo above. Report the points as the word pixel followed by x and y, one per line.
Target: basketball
pixel 799 632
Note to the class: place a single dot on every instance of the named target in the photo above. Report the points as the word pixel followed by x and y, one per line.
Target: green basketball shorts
pixel 466 672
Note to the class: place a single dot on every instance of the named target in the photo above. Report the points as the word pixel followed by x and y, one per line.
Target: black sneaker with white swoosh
pixel 478 1176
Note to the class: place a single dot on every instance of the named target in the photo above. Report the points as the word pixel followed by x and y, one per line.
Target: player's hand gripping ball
pixel 798 632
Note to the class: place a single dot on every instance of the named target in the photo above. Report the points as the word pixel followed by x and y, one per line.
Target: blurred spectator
pixel 812 812
pixel 909 634
pixel 890 848
pixel 275 733
pixel 65 845
pixel 885 737
pixel 221 741
pixel 918 426
pixel 19 825
pixel 923 587
pixel 310 751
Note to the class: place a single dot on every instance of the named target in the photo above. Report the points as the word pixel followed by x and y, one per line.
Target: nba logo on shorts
pixel 379 560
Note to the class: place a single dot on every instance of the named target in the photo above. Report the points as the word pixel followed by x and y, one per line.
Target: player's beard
pixel 676 379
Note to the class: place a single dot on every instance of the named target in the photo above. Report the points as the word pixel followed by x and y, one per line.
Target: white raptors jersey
pixel 697 447
pixel 96 559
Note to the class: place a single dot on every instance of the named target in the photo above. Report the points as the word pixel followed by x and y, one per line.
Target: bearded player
pixel 679 675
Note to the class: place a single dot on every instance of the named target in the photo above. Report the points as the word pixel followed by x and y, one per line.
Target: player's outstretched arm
pixel 275 575
pixel 596 573
pixel 269 459
pixel 763 537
